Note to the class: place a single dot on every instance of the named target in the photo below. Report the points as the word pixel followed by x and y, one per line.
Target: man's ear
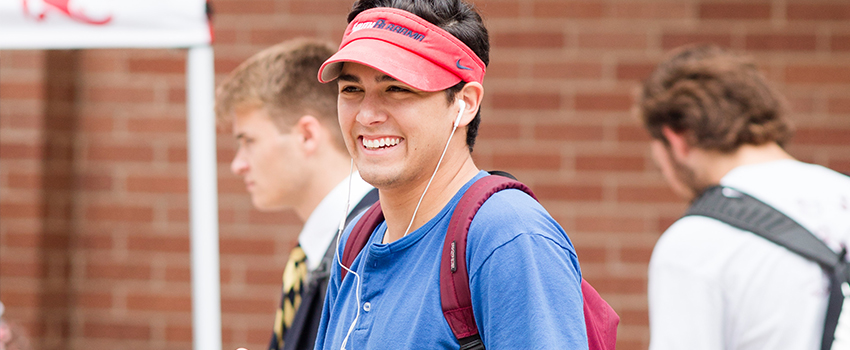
pixel 471 94
pixel 678 142
pixel 310 132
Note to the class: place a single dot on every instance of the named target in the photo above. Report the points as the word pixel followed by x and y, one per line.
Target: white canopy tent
pixel 84 24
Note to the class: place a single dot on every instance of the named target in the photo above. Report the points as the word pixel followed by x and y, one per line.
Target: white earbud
pixel 459 112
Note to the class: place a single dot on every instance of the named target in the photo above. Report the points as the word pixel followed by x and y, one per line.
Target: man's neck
pixel 326 174
pixel 715 165
pixel 399 204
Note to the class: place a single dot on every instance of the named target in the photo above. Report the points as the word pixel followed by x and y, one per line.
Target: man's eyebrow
pixel 241 135
pixel 385 78
pixel 349 78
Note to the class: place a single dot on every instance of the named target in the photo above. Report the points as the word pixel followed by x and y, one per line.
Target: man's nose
pixel 371 111
pixel 239 166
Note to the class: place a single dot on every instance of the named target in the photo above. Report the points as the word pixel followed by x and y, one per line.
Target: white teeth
pixel 382 142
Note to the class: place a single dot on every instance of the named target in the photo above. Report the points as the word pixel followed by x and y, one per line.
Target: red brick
pixel 569 9
pixel 840 43
pixel 727 10
pixel 245 305
pixel 157 65
pixel 498 131
pixel 274 36
pixel 567 70
pixel 158 184
pixel 818 74
pixel 634 71
pixel 160 303
pixel 119 213
pixel 20 151
pixel 670 41
pixel 534 101
pixel 609 224
pixel 247 246
pixel 9 268
pixel 588 254
pixel 118 94
pixel 21 240
pixel 633 317
pixel 95 241
pixel 267 277
pixel 568 192
pixel 336 9
pixel 117 271
pixel 244 7
pixel 503 70
pixel 568 132
pixel 839 105
pixel 224 66
pixel 273 218
pixel 495 8
pixel 119 153
pixel 818 12
pixel 96 124
pixel 179 333
pixel 94 300
pixel 27 91
pixel 527 161
pixel 603 102
pixel 635 254
pixel 157 125
pixel 646 10
pixel 158 243
pixel 612 41
pixel 618 285
pixel 526 40
pixel 93 182
pixel 178 274
pixel 781 42
pixel 647 195
pixel 610 163
pixel 825 136
pixel 24 180
pixel 177 95
pixel 20 210
pixel 116 330
pixel 632 134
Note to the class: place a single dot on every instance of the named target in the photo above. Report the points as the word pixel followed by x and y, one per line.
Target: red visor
pixel 407 48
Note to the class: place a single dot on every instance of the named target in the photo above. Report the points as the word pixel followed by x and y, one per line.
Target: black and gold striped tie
pixel 293 283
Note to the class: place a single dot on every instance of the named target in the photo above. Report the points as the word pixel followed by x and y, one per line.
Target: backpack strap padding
pixel 360 235
pixel 454 278
pixel 750 214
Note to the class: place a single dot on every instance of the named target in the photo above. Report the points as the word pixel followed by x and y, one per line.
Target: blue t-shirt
pixel 524 279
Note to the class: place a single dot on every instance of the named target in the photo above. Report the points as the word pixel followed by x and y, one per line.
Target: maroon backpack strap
pixel 360 235
pixel 454 278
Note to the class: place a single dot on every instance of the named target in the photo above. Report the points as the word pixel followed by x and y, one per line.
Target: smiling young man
pixel 410 78
pixel 715 120
pixel 291 156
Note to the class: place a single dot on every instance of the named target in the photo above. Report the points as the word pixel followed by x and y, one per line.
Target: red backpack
pixel 600 319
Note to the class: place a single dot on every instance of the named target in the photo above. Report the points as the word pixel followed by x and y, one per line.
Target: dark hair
pixel 454 16
pixel 719 99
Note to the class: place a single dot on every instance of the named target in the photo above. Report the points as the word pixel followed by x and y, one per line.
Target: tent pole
pixel 203 200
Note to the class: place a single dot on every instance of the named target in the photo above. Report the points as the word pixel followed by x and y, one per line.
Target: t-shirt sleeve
pixel 685 299
pixel 525 279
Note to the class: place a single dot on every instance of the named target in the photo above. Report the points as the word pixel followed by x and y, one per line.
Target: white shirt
pixel 713 286
pixel 322 225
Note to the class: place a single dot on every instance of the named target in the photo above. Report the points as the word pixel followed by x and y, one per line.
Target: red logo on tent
pixel 39 9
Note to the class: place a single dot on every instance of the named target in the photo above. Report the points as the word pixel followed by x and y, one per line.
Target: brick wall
pixel 94 242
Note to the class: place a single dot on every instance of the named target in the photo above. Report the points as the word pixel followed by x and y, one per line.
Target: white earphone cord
pixel 348 202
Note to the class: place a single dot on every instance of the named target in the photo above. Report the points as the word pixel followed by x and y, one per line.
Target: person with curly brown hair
pixel 715 120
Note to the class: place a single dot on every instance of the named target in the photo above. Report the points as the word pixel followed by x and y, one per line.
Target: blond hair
pixel 283 80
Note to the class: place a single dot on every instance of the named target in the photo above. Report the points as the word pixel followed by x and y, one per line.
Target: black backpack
pixel 750 214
